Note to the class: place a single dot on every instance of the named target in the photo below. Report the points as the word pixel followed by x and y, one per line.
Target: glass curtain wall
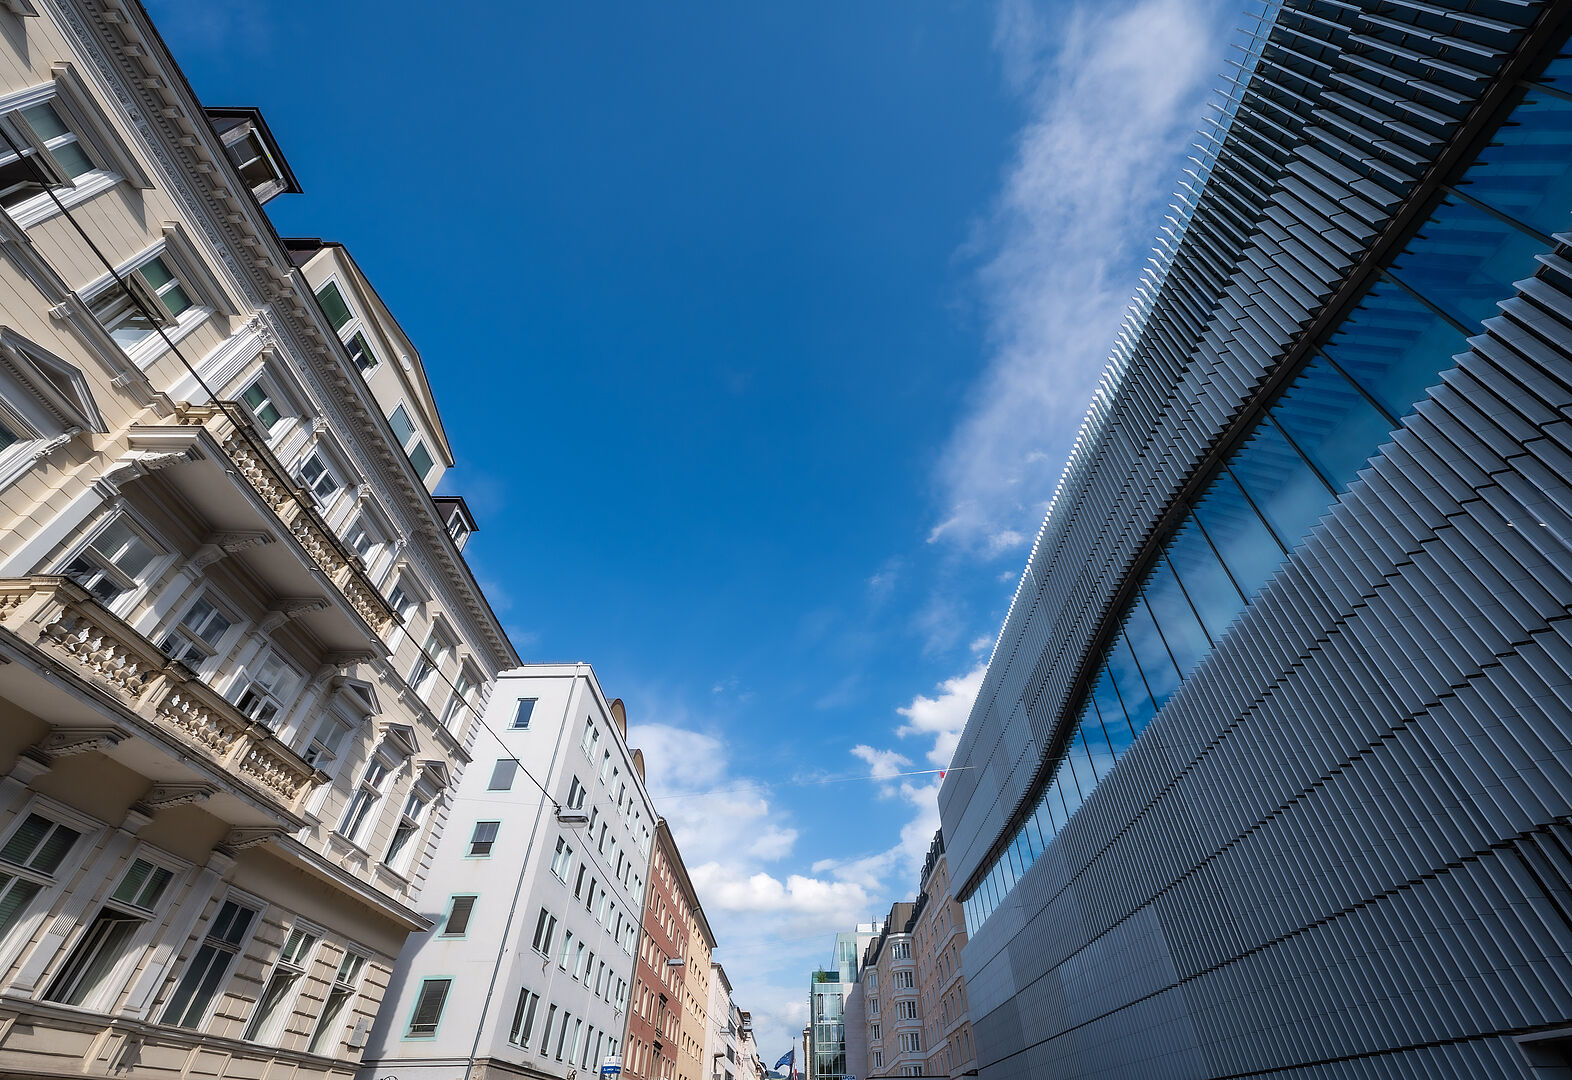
pixel 1313 438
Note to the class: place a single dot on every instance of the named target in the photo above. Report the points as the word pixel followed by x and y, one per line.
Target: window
pixel 458 701
pixel 148 297
pixel 260 400
pixel 52 156
pixel 522 714
pixel 459 912
pixel 428 1008
pixel 906 1010
pixel 424 675
pixel 903 980
pixel 523 1018
pixel 360 351
pixel 878 1059
pixel 114 561
pixel 545 930
pixel 363 540
pixel 333 306
pixel 28 862
pixel 409 439
pixel 875 1034
pixel 502 775
pixel 365 798
pixel 210 966
pixel 318 479
pixel 322 750
pixel 197 635
pixel 401 602
pixel 545 1031
pixel 482 839
pixel 567 950
pixel 281 985
pixel 401 850
pixel 576 793
pixel 562 859
pixel 108 937
pixel 591 739
pixel 264 687
pixel 345 982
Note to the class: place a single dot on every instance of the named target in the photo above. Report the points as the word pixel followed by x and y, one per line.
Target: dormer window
pixel 456 518
pixel 250 148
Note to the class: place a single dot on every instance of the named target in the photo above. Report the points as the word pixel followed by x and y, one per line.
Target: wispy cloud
pixel 1114 92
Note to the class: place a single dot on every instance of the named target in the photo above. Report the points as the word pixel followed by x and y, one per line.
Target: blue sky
pixel 761 332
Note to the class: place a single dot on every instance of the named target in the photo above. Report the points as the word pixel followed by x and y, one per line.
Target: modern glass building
pixel 1271 771
pixel 827 1005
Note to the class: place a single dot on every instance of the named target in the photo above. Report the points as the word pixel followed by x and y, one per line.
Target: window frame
pixel 361 806
pixel 354 326
pixel 131 589
pixel 490 842
pixel 266 1029
pixel 247 680
pixel 235 950
pixel 182 265
pixel 420 997
pixel 346 992
pixel 207 652
pixel 415 440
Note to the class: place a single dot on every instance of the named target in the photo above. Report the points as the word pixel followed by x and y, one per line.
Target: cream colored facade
pixel 696 975
pixel 241 650
pixel 938 936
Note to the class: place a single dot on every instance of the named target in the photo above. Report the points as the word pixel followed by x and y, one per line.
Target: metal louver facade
pixel 1271 770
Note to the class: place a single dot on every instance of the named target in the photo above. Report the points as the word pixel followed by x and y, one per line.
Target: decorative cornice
pixel 68 742
pixel 163 796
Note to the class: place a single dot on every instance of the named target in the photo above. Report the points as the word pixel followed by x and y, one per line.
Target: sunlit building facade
pixel 1269 770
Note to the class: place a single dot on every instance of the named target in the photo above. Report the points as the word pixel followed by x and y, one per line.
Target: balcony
pixel 197 747
pixel 238 487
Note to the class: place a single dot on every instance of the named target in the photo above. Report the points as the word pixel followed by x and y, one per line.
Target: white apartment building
pixel 723 1028
pixel 240 650
pixel 527 967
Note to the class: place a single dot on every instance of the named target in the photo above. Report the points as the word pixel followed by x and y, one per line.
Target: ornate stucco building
pixel 240 651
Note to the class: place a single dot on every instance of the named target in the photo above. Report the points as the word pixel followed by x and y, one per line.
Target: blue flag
pixel 788 1058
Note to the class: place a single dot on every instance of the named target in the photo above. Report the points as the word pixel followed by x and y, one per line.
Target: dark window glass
pixel 1526 171
pixel 1281 484
pixel 1464 261
pixel 1394 347
pixel 458 916
pixel 1238 534
pixel 1204 579
pixel 502 775
pixel 1331 422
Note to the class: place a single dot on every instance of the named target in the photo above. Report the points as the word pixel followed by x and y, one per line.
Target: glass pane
pixel 1238 534
pixel 1181 631
pixel 155 273
pixel 1109 709
pixel 1280 483
pixel 44 120
pixel 175 299
pixel 1394 347
pixel 1145 641
pixel 1332 423
pixel 1069 791
pixel 1526 171
pixel 1080 760
pixel 1204 579
pixel 420 457
pixel 400 423
pixel 1464 260
pixel 1098 749
pixel 72 159
pixel 1127 681
pixel 25 839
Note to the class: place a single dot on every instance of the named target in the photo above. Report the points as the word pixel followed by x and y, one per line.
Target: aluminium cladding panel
pixel 1328 215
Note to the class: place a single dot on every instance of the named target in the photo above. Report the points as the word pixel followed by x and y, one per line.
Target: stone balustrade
pixel 62 620
pixel 293 507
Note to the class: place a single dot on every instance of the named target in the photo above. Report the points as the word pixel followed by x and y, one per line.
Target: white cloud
pixel 886 764
pixel 982 644
pixel 1115 92
pixel 944 715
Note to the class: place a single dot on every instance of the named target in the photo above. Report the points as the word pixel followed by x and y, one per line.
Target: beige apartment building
pixel 240 651
pixel 938 936
pixel 696 975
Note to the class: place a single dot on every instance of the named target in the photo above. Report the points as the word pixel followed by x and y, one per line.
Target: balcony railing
pixel 62 620
pixel 293 507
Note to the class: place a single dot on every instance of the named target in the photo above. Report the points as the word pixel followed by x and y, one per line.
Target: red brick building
pixel 655 1011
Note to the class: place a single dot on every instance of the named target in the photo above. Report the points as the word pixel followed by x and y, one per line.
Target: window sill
pixel 40 208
